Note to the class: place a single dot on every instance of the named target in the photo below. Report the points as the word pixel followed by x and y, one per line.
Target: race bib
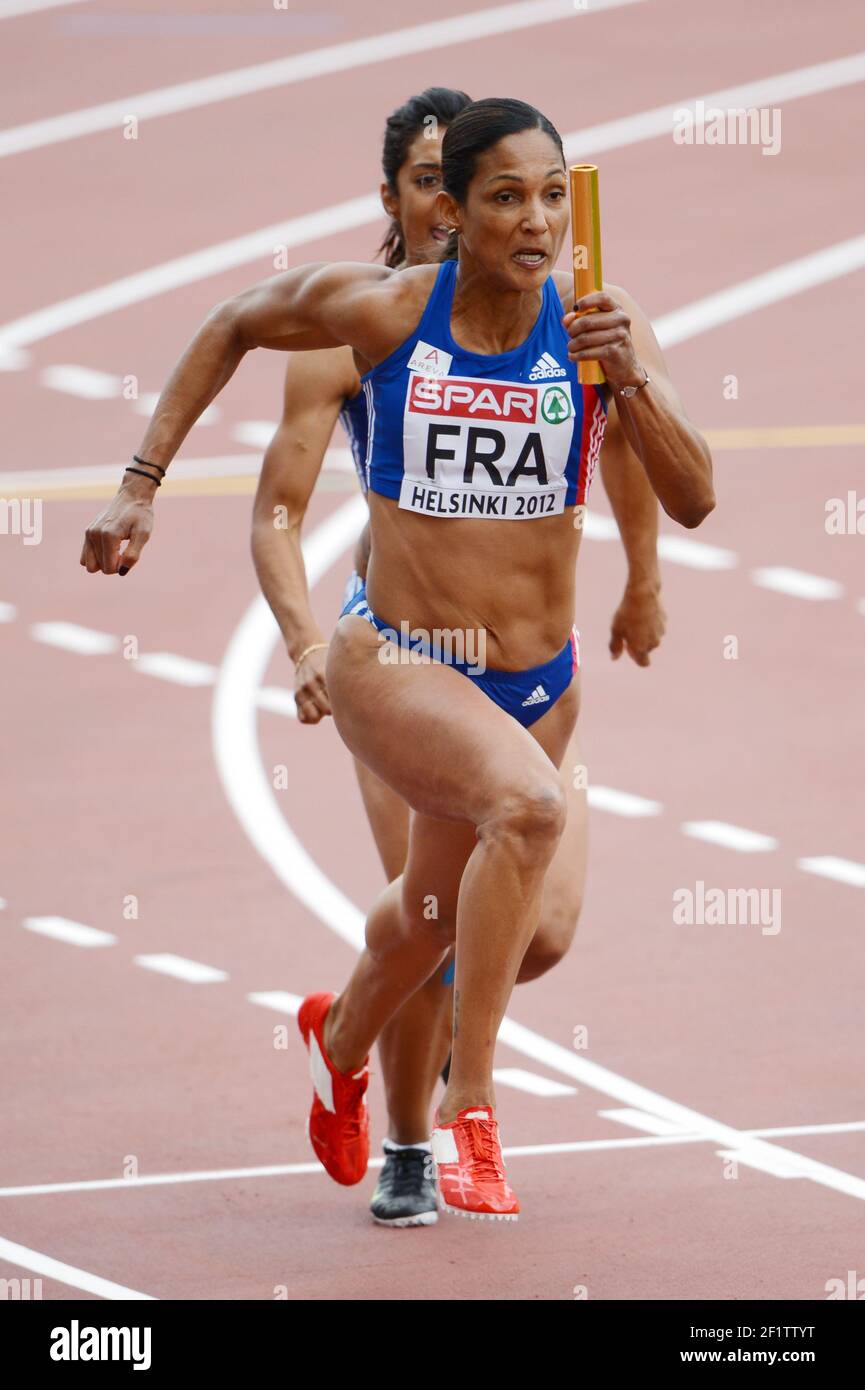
pixel 484 448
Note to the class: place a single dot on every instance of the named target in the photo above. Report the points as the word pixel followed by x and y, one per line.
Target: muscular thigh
pixel 439 849
pixel 431 735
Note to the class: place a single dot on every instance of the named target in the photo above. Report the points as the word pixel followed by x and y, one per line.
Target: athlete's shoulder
pixel 622 297
pixel 641 329
pixel 414 284
pixel 332 277
pixel 396 283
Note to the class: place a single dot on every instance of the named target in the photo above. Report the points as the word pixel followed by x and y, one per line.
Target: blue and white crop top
pixel 455 433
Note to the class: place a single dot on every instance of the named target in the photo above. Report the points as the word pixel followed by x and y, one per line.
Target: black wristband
pixel 142 474
pixel 147 464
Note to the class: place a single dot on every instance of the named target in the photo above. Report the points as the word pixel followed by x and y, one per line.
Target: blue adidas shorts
pixel 526 695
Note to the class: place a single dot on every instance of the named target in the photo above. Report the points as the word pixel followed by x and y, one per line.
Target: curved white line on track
pixel 359 212
pixel 318 62
pixel 251 796
pixel 25 1258
pixel 235 739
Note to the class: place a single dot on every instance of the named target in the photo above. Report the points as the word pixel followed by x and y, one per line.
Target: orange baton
pixel 586 228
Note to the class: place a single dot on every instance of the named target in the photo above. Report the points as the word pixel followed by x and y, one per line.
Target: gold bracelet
pixel 314 647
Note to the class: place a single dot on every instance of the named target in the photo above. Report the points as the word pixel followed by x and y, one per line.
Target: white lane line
pixel 851 1127
pixel 640 1119
pixel 2 903
pixel 182 670
pixel 185 270
pixel 300 67
pixel 73 638
pixel 146 404
pixel 678 550
pixel 13 359
pixel 796 583
pixel 182 969
pixel 621 803
pixel 38 480
pixel 256 433
pixel 278 999
pixel 632 1094
pixel 358 212
pixel 82 381
pixel 796 277
pixel 38 1263
pixel 8 612
pixel 598 527
pixel 719 832
pixel 531 1082
pixel 277 701
pixel 280 1170
pixel 251 796
pixel 697 555
pixel 10 9
pixel 830 866
pixel 270 1170
pixel 73 933
pixel 340 461
pixel 770 1163
pixel 766 91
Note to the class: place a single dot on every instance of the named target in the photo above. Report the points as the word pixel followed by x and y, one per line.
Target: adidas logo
pixel 545 367
pixel 538 696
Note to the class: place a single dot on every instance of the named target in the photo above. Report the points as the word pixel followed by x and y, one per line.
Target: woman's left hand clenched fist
pixel 605 337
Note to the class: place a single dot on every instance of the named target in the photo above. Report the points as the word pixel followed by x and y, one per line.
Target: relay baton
pixel 586 227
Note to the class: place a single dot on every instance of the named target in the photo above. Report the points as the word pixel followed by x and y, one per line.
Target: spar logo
pixel 474 400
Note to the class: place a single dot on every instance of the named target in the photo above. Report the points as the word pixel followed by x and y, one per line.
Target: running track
pixel 147 786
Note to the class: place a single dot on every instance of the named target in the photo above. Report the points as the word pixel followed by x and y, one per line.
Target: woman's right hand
pixel 310 687
pixel 128 517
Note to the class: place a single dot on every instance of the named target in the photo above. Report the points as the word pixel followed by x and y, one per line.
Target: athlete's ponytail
pixel 421 112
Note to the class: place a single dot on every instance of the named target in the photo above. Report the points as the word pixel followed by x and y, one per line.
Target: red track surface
pixel 113 788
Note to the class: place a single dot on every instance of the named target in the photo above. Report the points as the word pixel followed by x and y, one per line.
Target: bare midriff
pixel 511 580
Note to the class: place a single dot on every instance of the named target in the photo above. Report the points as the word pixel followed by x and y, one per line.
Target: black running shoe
pixel 405 1194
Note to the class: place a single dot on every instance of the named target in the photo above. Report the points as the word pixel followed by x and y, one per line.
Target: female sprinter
pixel 463 445
pixel 319 388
